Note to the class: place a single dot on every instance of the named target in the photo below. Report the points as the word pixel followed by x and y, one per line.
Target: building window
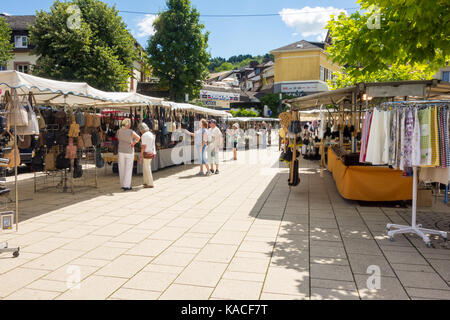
pixel 2 68
pixel 446 76
pixel 330 75
pixel 322 73
pixel 25 68
pixel 21 42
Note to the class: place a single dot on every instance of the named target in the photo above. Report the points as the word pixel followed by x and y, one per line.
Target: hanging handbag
pixel 18 115
pixel 89 118
pixel 50 161
pixel 80 142
pixel 61 118
pixel 79 118
pixel 87 140
pixel 37 162
pixel 61 138
pixel 49 139
pixel 49 117
pixel 97 121
pixel 3 124
pixel 13 155
pixel 24 142
pixel 99 162
pixel 95 138
pixel 77 169
pixel 71 150
pixel 74 130
pixel 62 162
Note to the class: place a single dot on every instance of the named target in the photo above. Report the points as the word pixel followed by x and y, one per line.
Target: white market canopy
pixel 52 92
pixel 191 107
pixel 247 119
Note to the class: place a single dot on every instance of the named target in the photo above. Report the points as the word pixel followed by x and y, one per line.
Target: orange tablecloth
pixel 369 183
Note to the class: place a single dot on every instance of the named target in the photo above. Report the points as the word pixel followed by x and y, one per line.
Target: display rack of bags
pixel 66 157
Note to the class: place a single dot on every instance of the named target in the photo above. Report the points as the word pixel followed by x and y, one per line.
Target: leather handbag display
pixel 50 161
pixel 97 121
pixel 74 130
pixel 37 162
pixel 77 169
pixel 24 142
pixel 62 162
pixel 18 115
pixel 13 155
pixel 80 142
pixel 99 162
pixel 89 118
pixel 61 138
pixel 61 118
pixel 79 118
pixel 87 140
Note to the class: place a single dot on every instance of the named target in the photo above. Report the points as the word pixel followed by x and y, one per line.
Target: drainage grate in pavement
pixel 430 220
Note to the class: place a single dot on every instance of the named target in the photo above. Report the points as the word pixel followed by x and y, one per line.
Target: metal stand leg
pixel 4 248
pixel 414 228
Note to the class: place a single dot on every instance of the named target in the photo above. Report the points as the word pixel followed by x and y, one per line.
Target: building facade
pixel 23 60
pixel 302 68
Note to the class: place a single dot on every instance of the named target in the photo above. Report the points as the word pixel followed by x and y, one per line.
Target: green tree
pixel 97 49
pixel 6 46
pixel 243 113
pixel 397 72
pixel 177 50
pixel 272 101
pixel 410 32
pixel 225 67
pixel 215 63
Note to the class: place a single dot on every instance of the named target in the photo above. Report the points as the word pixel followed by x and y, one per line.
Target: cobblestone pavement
pixel 242 234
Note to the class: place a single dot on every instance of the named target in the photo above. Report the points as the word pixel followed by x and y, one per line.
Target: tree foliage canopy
pixel 5 42
pixel 99 51
pixel 410 32
pixel 177 50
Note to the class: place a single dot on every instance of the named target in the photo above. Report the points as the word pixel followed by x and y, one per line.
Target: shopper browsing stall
pixel 148 153
pixel 214 143
pixel 234 139
pixel 127 139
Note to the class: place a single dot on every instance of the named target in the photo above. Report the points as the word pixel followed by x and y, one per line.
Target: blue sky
pixel 228 36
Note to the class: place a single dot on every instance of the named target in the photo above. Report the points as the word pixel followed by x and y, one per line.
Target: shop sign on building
pixel 217 95
pixel 216 103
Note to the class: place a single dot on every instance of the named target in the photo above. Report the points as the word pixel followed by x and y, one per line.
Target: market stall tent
pixel 52 92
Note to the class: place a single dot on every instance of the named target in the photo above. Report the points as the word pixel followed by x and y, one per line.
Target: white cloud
pixel 146 26
pixel 309 22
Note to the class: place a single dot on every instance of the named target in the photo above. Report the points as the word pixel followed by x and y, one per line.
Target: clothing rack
pixel 414 228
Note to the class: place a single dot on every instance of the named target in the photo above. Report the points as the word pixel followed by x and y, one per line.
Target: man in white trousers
pixel 148 153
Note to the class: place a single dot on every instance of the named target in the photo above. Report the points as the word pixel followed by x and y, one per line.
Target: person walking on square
pixel 148 153
pixel 214 144
pixel 127 139
pixel 200 142
pixel 235 139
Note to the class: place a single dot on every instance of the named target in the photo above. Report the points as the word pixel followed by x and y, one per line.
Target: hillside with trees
pixel 219 64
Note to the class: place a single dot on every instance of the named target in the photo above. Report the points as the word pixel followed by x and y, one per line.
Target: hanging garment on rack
pixel 408 134
pixel 425 136
pixel 415 157
pixel 444 140
pixel 376 144
pixel 434 138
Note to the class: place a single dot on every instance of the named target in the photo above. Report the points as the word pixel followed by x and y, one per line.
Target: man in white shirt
pixel 214 143
pixel 148 152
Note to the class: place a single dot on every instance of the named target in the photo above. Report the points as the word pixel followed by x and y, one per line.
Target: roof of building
pixel 19 22
pixel 301 45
